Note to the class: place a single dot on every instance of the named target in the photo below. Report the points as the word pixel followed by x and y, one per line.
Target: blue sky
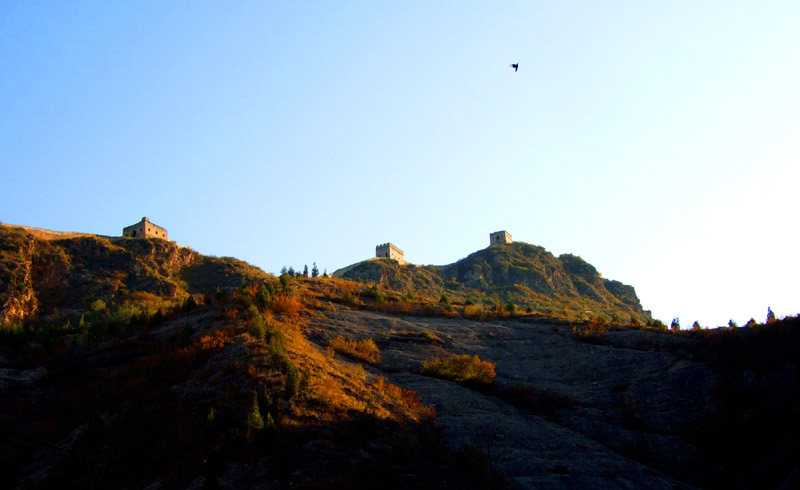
pixel 657 140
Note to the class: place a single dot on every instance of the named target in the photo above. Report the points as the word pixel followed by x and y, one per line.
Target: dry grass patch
pixel 363 350
pixel 289 306
pixel 461 369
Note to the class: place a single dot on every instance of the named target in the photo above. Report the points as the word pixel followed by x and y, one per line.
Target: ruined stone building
pixel 500 238
pixel 144 229
pixel 389 251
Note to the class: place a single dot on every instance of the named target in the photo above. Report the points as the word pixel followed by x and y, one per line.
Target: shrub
pixel 472 310
pixel 348 297
pixel 409 398
pixel 591 332
pixel 292 383
pixel 364 350
pixel 461 369
pixel 375 293
pixel 287 305
pixel 98 305
pixel 213 340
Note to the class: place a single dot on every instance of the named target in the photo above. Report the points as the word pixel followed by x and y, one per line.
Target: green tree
pixel 254 420
pixel 511 307
pixel 696 325
pixel 732 324
pixel 292 386
pixel 285 281
pixel 676 324
pixel 189 304
pixel 305 271
pixel 263 297
pixel 770 315
pixel 314 270
pixel 258 327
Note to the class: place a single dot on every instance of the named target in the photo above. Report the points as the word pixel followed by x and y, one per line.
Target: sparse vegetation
pixel 461 369
pixel 364 350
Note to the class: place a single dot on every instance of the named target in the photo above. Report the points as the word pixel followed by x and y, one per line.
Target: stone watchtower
pixel 500 238
pixel 389 251
pixel 144 229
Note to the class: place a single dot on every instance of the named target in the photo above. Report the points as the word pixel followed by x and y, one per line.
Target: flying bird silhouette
pixel 515 66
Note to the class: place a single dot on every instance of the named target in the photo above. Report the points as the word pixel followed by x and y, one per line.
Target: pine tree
pixel 305 271
pixel 254 420
pixel 292 386
pixel 314 270
pixel 770 315
pixel 676 324
pixel 511 307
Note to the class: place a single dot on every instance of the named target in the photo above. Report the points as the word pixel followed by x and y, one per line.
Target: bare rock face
pixel 562 413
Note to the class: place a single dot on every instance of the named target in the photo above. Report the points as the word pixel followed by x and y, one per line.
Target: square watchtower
pixel 389 251
pixel 500 238
pixel 144 229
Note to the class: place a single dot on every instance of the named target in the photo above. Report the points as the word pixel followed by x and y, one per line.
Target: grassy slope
pixel 524 274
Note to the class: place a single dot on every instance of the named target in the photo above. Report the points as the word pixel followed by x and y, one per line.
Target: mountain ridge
pixel 525 274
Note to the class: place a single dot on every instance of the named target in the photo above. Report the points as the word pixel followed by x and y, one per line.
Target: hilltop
pixel 526 275
pixel 45 273
pixel 138 363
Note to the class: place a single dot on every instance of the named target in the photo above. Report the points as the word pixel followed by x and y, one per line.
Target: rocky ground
pixel 563 412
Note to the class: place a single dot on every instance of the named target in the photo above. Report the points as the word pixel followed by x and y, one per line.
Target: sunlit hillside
pixel 138 363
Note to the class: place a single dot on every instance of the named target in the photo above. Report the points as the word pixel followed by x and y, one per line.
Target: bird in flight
pixel 515 66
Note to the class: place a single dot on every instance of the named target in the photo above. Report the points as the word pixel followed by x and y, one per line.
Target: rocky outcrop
pixel 69 271
pixel 525 274
pixel 563 413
